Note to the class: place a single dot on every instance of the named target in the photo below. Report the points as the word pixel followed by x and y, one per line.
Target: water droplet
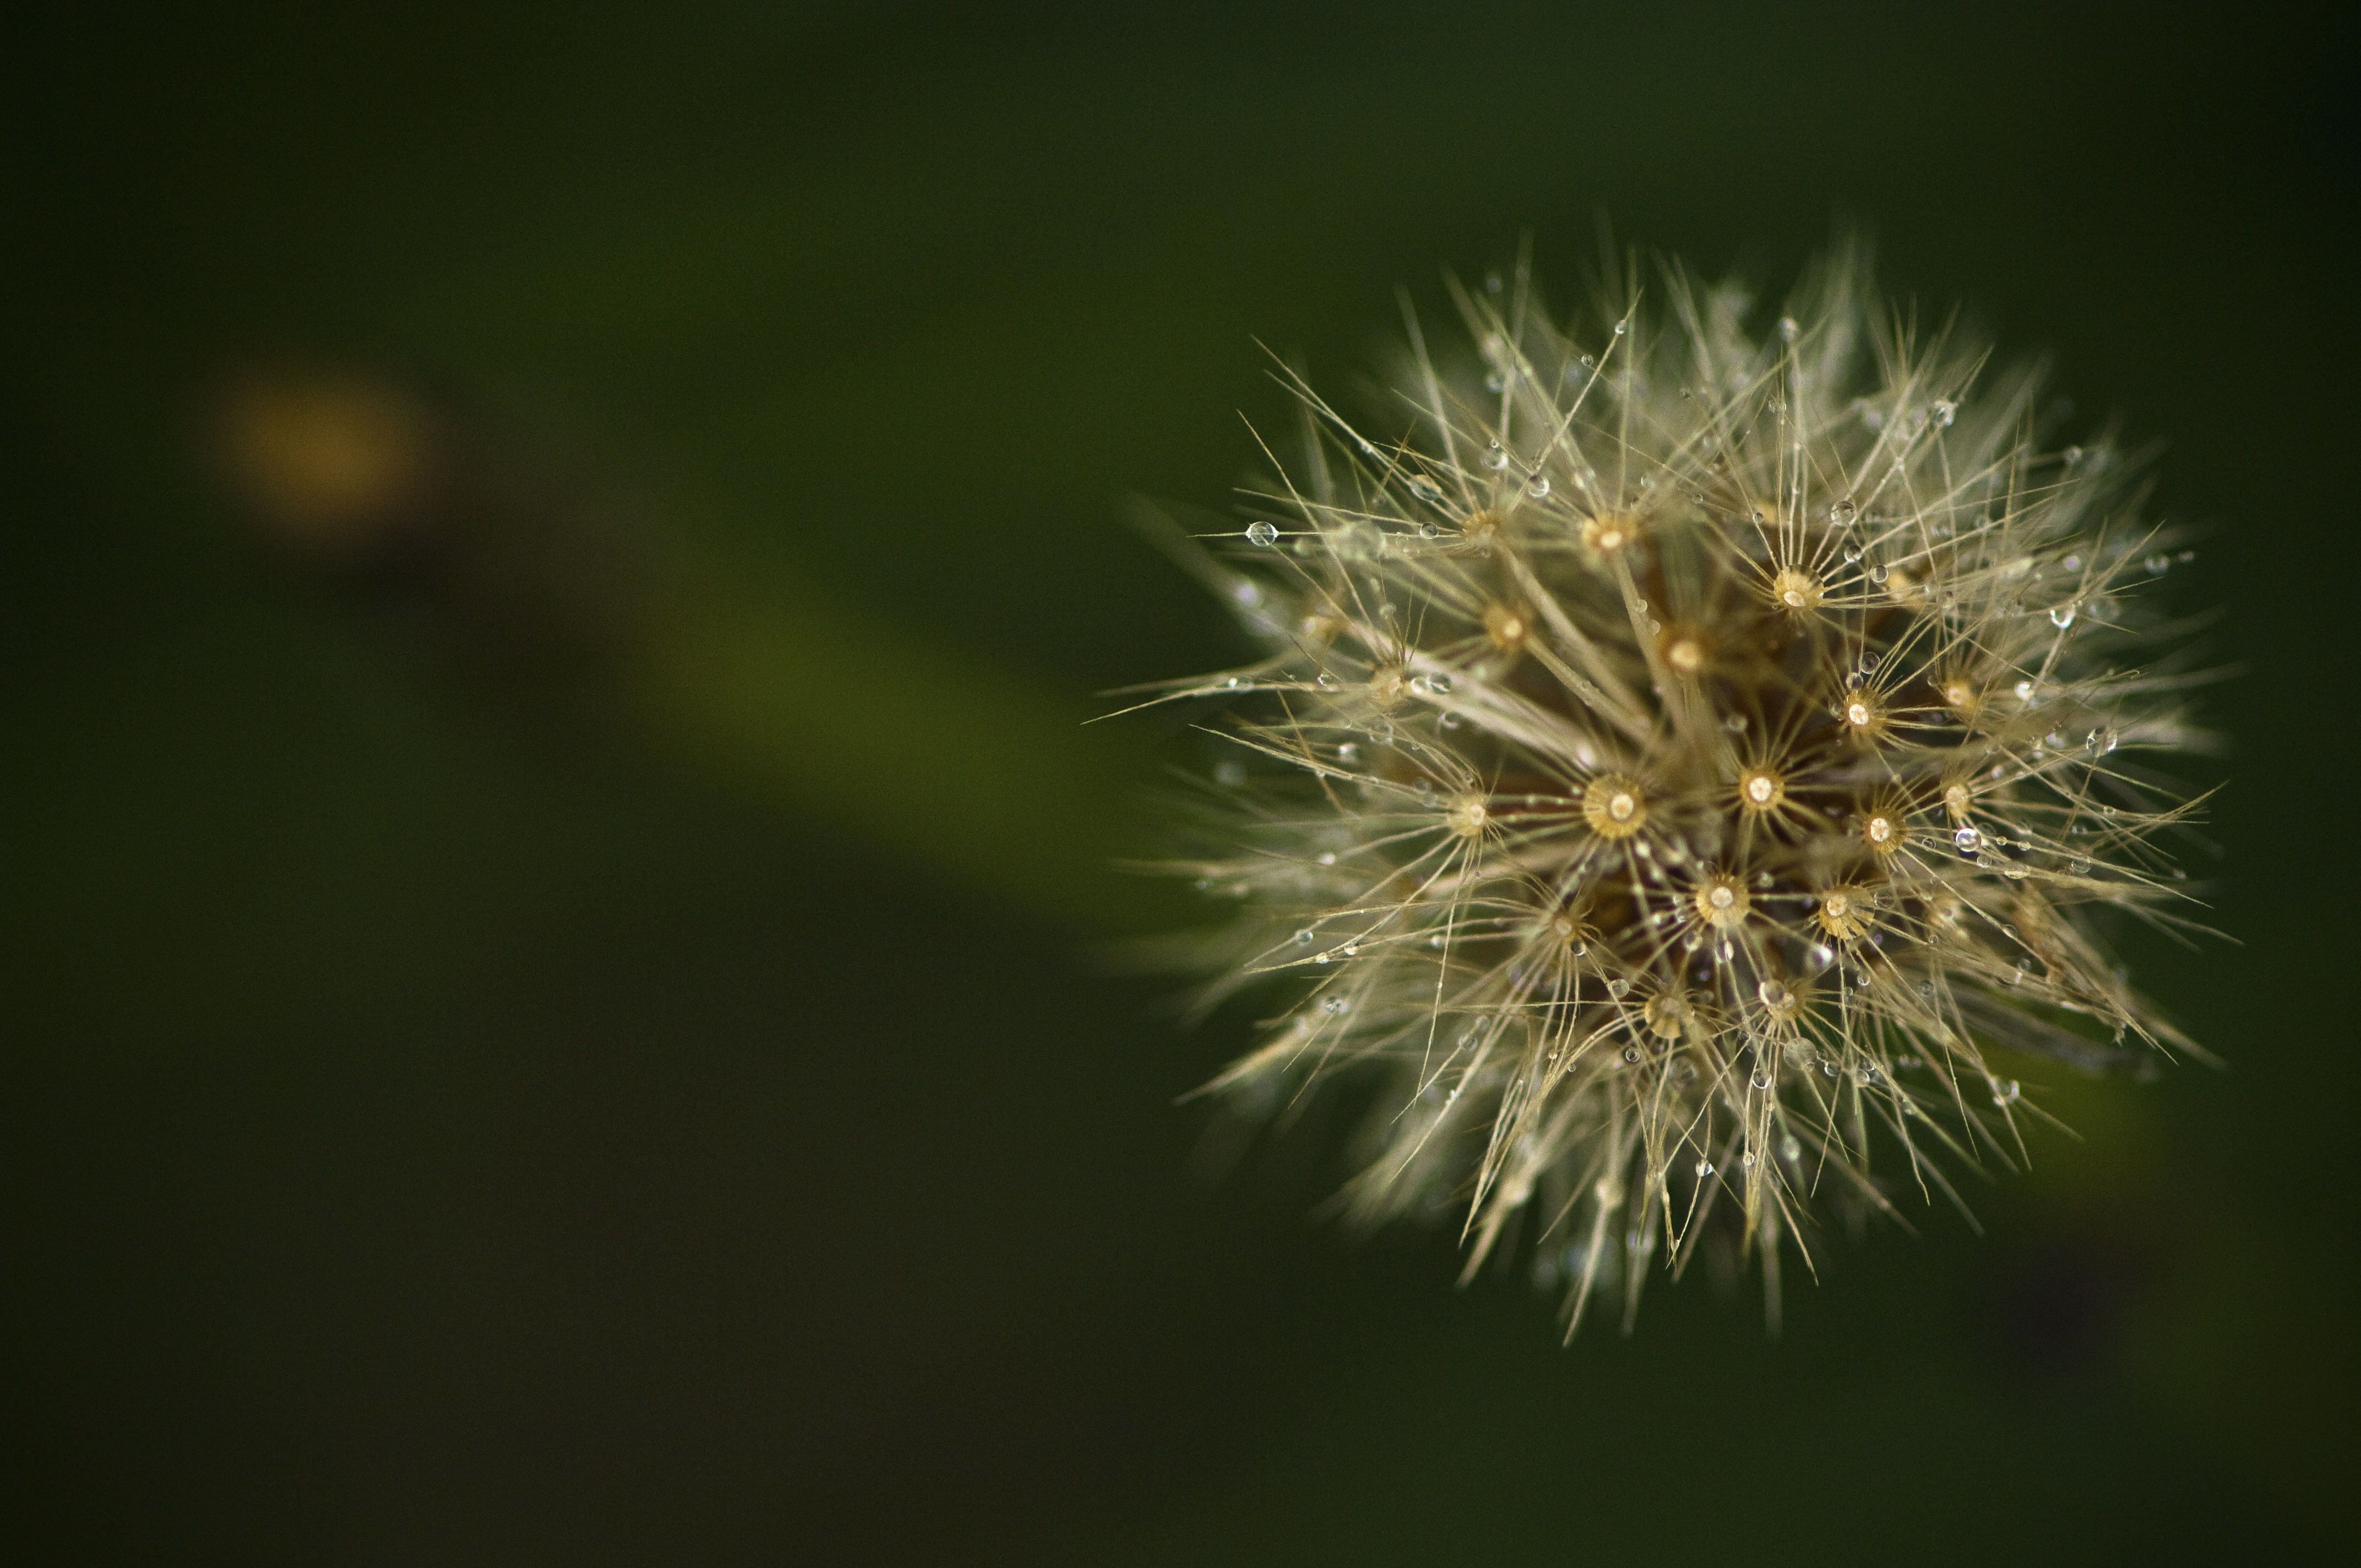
pixel 1966 841
pixel 1945 410
pixel 2024 690
pixel 2157 564
pixel 1429 531
pixel 1335 1007
pixel 1262 533
pixel 2072 455
pixel 2006 1090
pixel 1789 1148
pixel 2063 616
pixel 1495 458
pixel 1347 751
pixel 1789 329
pixel 1843 511
pixel 1619 987
pixel 1620 327
pixel 1449 721
pixel 1772 993
pixel 1495 382
pixel 1439 683
pixel 1851 554
pixel 1704 1169
pixel 1537 486
pixel 1590 362
pixel 1879 573
pixel 1326 682
pixel 1327 857
pixel 1630 1056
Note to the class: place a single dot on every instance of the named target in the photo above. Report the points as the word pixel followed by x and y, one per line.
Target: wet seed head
pixel 1709 759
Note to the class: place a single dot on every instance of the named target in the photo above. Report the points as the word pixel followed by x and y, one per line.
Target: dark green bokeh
pixel 656 1101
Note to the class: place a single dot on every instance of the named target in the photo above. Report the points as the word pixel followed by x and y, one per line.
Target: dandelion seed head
pixel 1699 737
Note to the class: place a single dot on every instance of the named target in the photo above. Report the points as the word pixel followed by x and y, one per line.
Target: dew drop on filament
pixel 1262 533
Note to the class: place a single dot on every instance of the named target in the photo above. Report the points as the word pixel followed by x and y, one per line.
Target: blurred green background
pixel 554 561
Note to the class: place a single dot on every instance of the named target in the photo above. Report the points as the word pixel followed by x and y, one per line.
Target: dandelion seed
pixel 1760 789
pixel 1615 806
pixel 1658 848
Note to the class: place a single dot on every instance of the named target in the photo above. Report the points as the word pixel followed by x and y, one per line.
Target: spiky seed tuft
pixel 1682 762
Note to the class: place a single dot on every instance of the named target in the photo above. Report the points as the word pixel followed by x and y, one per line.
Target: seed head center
pixel 1760 789
pixel 1468 816
pixel 1615 806
pixel 1723 902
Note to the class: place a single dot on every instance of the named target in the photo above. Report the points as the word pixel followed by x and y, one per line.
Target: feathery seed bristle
pixel 1677 765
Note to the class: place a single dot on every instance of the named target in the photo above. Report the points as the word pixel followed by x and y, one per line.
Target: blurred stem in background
pixel 862 724
pixel 817 709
